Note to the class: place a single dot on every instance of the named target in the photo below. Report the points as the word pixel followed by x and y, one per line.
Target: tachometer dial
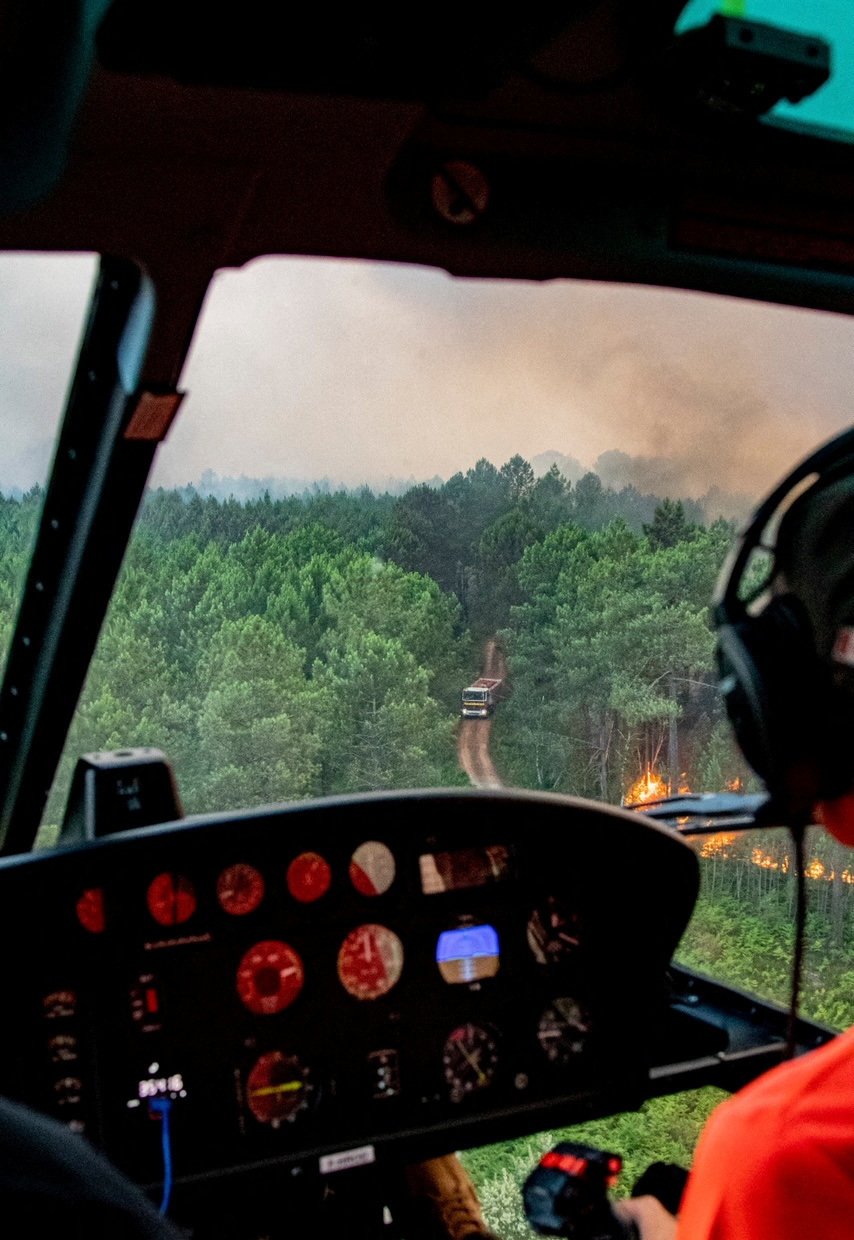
pixel 563 1030
pixel 370 961
pixel 469 1059
pixel 240 889
pixel 269 977
pixel 372 868
pixel 171 899
pixel 309 877
pixel 278 1088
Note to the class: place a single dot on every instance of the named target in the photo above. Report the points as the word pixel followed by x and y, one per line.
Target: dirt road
pixel 474 734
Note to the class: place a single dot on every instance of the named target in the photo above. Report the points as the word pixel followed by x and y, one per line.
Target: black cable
pixel 798 833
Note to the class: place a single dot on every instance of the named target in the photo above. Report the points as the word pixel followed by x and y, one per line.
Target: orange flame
pixel 815 869
pixel 734 785
pixel 718 845
pixel 650 787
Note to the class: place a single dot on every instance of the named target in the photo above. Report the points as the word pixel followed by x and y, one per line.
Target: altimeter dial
pixel 469 1059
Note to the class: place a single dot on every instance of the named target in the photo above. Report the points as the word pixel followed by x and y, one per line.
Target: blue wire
pixel 164 1106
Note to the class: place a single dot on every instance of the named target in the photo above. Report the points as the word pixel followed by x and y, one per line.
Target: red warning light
pixel 90 910
pixel 571 1164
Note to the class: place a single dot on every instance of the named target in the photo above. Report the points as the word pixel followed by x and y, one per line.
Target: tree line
pixel 282 648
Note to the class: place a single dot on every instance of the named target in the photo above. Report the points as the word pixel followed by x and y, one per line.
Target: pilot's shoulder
pixel 796 1109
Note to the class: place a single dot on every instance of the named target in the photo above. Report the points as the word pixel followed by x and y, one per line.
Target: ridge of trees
pixel 238 629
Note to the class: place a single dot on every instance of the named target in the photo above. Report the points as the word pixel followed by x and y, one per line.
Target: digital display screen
pixel 157 1085
pixel 468 954
pixel 163 1087
pixel 464 868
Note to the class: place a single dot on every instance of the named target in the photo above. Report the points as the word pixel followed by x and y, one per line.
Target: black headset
pixel 791 723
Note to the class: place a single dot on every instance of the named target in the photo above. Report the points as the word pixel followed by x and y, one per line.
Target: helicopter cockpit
pixel 266 1014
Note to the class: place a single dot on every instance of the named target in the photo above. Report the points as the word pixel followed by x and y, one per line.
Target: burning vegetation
pixel 649 787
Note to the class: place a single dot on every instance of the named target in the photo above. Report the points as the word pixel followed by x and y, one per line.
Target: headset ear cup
pixel 742 687
pixel 777 698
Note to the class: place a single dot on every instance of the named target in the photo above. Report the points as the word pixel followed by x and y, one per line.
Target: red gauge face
pixel 370 961
pixel 240 889
pixel 269 977
pixel 90 910
pixel 372 868
pixel 171 899
pixel 309 877
pixel 278 1088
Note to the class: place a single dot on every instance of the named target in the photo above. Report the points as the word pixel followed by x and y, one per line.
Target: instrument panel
pixel 315 985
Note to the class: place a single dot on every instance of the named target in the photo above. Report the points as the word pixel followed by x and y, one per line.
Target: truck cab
pixel 479 699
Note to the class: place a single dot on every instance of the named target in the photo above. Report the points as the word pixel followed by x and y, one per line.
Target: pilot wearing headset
pixel 776 1161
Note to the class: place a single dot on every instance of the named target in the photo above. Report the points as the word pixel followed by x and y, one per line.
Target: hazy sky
pixel 313 368
pixel 310 368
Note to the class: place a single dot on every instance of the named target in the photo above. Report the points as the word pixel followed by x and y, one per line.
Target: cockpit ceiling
pixel 529 153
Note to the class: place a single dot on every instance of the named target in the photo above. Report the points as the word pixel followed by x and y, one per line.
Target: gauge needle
pixel 286 1087
pixel 481 1078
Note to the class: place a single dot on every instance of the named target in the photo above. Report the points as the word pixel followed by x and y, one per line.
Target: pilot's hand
pixel 649 1216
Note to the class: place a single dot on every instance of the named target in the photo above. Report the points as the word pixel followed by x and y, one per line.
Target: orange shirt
pixel 776 1161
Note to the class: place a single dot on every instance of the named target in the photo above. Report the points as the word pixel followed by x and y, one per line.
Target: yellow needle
pixel 287 1087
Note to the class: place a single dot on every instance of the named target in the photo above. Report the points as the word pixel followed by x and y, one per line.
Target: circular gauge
pixel 370 961
pixel 90 910
pixel 278 1088
pixel 562 1031
pixel 171 899
pixel 469 1060
pixel 240 889
pixel 309 877
pixel 269 977
pixel 553 933
pixel 372 868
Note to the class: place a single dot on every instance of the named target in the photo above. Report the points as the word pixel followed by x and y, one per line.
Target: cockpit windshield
pixel 43 304
pixel 387 485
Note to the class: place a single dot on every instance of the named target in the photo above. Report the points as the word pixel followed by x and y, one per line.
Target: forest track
pixel 474 734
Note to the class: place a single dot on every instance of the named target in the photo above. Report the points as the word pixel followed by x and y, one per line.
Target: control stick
pixel 567 1195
